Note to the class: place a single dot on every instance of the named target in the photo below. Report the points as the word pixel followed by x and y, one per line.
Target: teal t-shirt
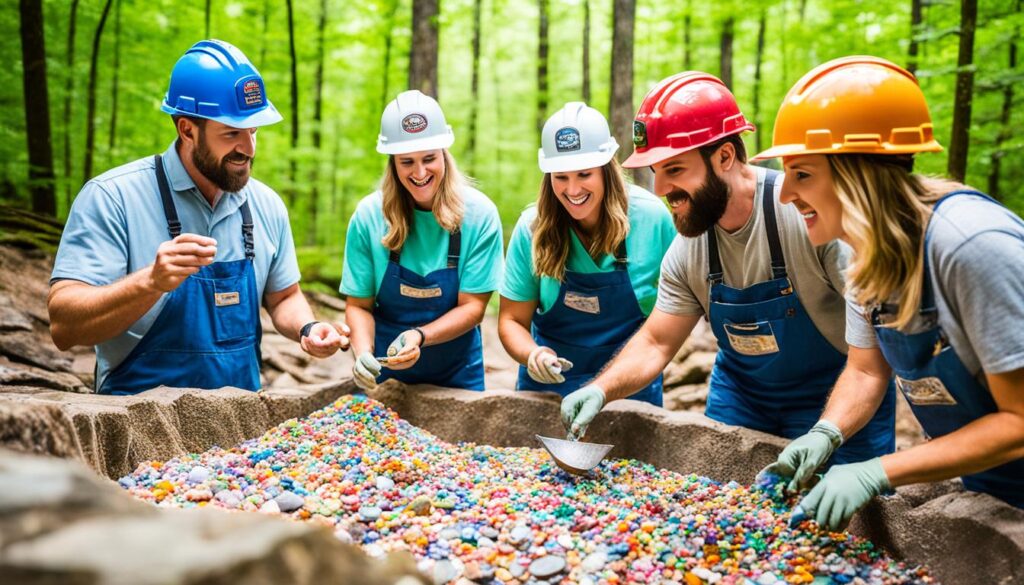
pixel 650 234
pixel 426 247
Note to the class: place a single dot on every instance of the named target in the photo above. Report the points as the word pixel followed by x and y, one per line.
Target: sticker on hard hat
pixel 567 139
pixel 252 93
pixel 639 134
pixel 414 123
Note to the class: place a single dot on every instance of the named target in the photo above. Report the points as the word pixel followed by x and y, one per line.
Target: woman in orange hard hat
pixel 935 289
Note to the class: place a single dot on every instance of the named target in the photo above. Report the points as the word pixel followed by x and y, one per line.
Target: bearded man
pixel 744 262
pixel 165 261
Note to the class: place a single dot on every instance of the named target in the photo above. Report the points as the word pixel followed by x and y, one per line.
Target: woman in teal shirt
pixel 583 264
pixel 422 257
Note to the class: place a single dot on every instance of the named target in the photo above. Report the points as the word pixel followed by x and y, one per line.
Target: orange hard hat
pixel 854 104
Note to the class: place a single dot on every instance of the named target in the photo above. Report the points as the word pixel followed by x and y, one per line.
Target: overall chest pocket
pixel 232 304
pixel 752 338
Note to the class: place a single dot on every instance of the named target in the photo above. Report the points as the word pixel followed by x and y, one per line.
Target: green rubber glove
pixel 365 371
pixel 580 408
pixel 844 490
pixel 398 344
pixel 805 454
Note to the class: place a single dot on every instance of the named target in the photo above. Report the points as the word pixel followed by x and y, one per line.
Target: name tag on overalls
pixel 226 299
pixel 928 391
pixel 419 293
pixel 752 338
pixel 583 303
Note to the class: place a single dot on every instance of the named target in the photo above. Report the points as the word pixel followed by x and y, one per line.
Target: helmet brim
pixel 265 117
pixel 418 145
pixel 784 150
pixel 651 156
pixel 573 162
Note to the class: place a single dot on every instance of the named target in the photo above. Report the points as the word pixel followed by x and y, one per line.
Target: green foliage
pixel 800 35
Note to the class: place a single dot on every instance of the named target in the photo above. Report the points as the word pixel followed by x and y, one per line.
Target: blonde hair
pixel 551 227
pixel 448 206
pixel 886 209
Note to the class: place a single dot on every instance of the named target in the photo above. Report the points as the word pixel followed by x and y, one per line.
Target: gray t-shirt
pixel 976 260
pixel 816 272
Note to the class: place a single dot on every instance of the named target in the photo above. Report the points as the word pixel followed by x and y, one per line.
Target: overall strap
pixel 173 225
pixel 927 294
pixel 247 237
pixel 621 259
pixel 715 272
pixel 454 250
pixel 771 225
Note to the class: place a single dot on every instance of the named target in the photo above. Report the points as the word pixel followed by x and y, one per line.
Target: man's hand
pixel 404 351
pixel 844 490
pixel 805 454
pixel 580 408
pixel 365 371
pixel 326 338
pixel 546 367
pixel 178 259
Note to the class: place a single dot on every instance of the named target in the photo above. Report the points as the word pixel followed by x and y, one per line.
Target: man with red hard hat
pixel 743 261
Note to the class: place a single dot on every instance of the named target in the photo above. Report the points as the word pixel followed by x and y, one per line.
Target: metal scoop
pixel 573 456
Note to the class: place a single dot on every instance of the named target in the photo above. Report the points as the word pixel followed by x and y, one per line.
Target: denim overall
pixel 207 334
pixel 599 309
pixel 774 369
pixel 941 391
pixel 406 300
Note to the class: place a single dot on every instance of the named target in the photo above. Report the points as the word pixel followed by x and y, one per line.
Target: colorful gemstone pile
pixel 510 515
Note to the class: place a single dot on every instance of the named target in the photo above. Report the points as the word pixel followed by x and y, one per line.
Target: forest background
pixel 83 81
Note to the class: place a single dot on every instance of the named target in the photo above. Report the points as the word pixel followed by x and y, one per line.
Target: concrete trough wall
pixel 962 537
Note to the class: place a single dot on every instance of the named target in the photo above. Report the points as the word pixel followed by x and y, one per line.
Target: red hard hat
pixel 683 112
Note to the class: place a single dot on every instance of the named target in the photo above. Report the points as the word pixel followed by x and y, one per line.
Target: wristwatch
pixel 304 332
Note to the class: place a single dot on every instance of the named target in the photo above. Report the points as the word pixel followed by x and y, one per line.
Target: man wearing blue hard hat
pixel 165 261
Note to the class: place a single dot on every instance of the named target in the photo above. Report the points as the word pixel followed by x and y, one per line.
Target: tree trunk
pixel 803 10
pixel 423 51
pixel 586 52
pixel 542 63
pixel 620 108
pixel 266 27
pixel 757 81
pixel 915 28
pixel 90 118
pixel 37 109
pixel 687 37
pixel 1005 131
pixel 207 20
pixel 318 91
pixel 725 54
pixel 388 40
pixel 292 189
pixel 112 139
pixel 69 86
pixel 474 86
pixel 960 139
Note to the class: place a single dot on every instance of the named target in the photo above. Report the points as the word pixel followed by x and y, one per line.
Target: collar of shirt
pixel 224 205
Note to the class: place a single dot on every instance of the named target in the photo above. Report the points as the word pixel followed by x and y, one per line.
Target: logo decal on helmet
pixel 639 134
pixel 414 123
pixel 567 139
pixel 252 94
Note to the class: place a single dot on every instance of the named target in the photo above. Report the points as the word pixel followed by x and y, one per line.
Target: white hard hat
pixel 413 122
pixel 575 138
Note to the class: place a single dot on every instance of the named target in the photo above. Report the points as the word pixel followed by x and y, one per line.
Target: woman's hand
pixel 404 351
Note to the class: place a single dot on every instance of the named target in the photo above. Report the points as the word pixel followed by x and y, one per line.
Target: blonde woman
pixel 422 257
pixel 935 289
pixel 583 264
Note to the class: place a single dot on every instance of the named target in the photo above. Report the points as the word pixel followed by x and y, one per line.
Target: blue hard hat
pixel 216 81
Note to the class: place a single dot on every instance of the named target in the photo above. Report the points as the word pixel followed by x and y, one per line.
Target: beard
pixel 218 173
pixel 707 205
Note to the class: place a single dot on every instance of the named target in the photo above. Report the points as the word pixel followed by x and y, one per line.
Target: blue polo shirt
pixel 117 222
pixel 650 234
